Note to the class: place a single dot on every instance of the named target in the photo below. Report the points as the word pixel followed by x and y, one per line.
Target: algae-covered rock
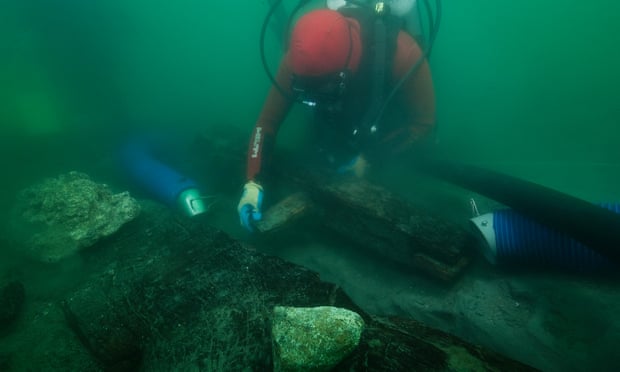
pixel 60 216
pixel 313 339
pixel 175 294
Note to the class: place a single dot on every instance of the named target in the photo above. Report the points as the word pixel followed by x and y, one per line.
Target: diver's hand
pixel 358 166
pixel 250 204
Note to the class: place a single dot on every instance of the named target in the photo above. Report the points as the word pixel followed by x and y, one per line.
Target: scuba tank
pixel 399 8
pixel 407 10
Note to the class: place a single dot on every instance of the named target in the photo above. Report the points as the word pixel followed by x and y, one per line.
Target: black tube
pixel 263 58
pixel 596 227
pixel 434 24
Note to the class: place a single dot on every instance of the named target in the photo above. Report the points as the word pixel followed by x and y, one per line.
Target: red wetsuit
pixel 417 93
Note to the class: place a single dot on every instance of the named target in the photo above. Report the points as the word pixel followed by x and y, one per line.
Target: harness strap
pixel 378 78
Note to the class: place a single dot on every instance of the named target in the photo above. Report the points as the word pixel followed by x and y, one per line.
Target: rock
pixel 60 216
pixel 178 295
pixel 313 339
pixel 12 298
pixel 174 294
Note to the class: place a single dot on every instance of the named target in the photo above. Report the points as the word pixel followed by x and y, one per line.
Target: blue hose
pixel 151 175
pixel 520 240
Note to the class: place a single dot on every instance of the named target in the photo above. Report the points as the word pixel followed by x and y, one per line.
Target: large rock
pixel 59 216
pixel 176 294
pixel 173 294
pixel 313 339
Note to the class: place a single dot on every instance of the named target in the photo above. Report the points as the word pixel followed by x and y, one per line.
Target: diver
pixel 345 64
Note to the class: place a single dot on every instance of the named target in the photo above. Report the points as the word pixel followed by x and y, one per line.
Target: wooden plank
pixel 285 213
pixel 374 218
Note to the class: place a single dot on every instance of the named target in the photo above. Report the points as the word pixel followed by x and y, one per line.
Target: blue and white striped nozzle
pixel 485 232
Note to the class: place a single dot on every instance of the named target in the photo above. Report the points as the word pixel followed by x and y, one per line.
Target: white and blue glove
pixel 358 166
pixel 250 204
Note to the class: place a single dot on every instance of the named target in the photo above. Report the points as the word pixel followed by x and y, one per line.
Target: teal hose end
pixel 191 203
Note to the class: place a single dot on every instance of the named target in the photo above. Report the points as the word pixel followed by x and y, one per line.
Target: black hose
pixel 433 24
pixel 418 63
pixel 263 32
pixel 594 226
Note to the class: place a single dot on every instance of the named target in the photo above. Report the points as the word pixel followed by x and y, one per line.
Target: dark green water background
pixel 529 87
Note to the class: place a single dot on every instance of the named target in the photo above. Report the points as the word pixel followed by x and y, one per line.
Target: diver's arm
pixel 274 111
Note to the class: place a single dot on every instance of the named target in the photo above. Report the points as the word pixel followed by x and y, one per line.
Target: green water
pixel 527 87
pixel 531 87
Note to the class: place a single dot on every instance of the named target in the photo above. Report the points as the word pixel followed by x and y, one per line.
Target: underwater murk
pixel 506 242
